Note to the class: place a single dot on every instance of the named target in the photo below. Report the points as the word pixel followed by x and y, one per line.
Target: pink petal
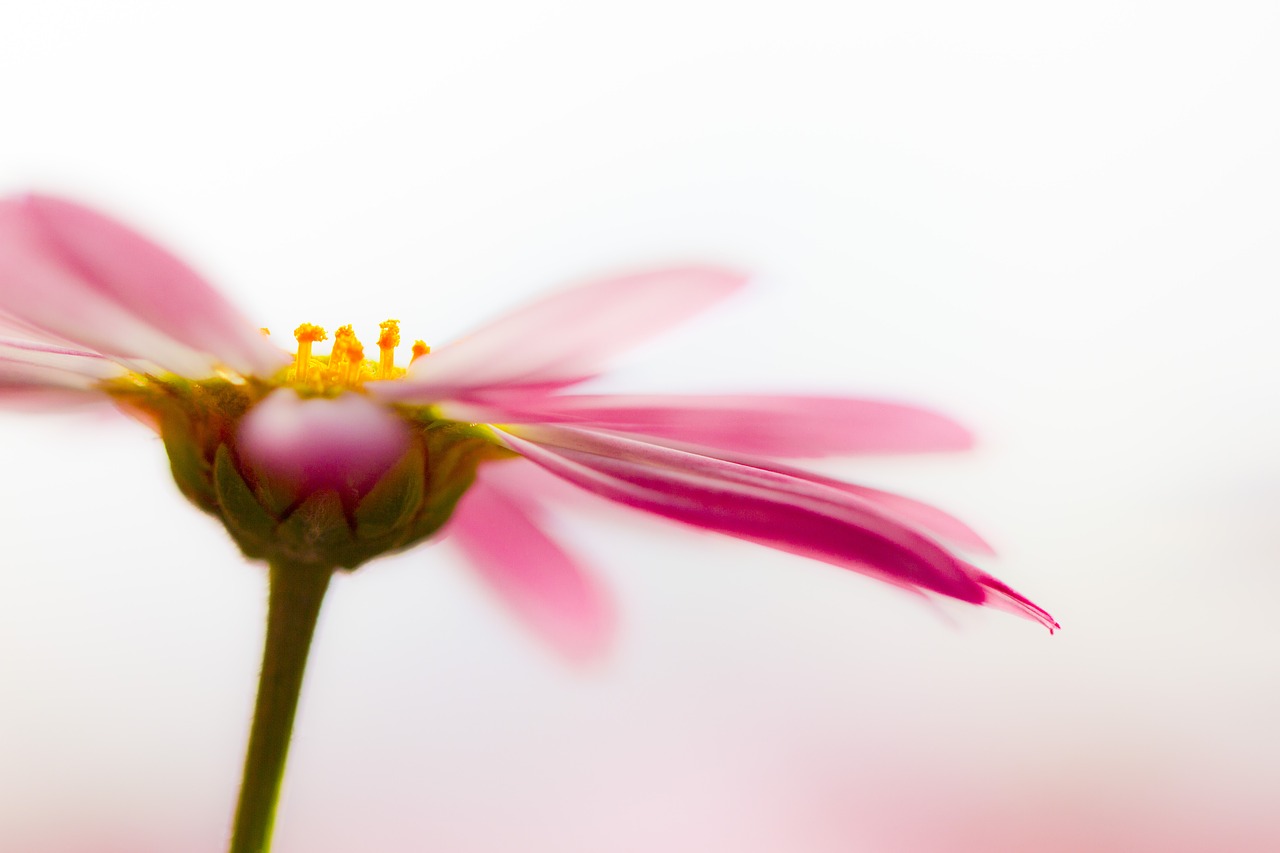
pixel 1004 597
pixel 566 337
pixel 542 585
pixel 38 290
pixel 915 513
pixel 44 399
pixel 19 379
pixel 17 329
pixel 530 480
pixel 544 409
pixel 41 376
pixel 752 424
pixel 76 274
pixel 78 368
pixel 345 442
pixel 768 425
pixel 155 286
pixel 767 507
pixel 746 502
pixel 717 426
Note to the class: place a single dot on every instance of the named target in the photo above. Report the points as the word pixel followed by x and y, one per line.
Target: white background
pixel 1057 222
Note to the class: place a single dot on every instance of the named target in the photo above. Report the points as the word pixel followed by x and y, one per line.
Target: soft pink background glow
pixel 1057 225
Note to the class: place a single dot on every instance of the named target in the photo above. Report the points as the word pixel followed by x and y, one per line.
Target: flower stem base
pixel 294 606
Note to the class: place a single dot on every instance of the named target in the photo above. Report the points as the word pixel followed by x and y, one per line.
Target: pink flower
pixel 377 458
pixel 318 462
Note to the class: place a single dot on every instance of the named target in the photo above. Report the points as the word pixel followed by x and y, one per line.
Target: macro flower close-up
pixel 316 463
pixel 626 427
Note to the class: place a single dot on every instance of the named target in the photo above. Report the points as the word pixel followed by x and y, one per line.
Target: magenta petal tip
pixel 1004 597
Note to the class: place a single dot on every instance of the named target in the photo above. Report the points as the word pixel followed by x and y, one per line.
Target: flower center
pixel 300 466
pixel 346 365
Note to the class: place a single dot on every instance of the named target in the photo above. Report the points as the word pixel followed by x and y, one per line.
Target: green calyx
pixel 330 528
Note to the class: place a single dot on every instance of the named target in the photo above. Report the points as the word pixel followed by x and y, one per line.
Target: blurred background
pixel 1057 222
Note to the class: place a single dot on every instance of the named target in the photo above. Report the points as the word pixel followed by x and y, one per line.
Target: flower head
pixel 332 460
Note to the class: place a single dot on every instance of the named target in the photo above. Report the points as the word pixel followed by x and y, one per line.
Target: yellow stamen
pixel 339 355
pixel 306 335
pixel 388 340
pixel 345 365
pixel 355 361
pixel 265 331
pixel 308 332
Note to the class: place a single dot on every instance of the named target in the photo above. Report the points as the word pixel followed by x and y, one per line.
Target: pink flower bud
pixel 344 443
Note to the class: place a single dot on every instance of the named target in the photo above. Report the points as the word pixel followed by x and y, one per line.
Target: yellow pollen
pixel 306 335
pixel 265 331
pixel 338 356
pixel 355 361
pixel 309 333
pixel 388 340
pixel 390 336
pixel 345 365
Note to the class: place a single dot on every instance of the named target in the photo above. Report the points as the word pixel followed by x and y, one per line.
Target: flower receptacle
pixel 281 519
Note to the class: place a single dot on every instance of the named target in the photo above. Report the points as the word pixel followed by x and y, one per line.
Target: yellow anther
pixel 419 350
pixel 390 336
pixel 265 331
pixel 309 333
pixel 355 361
pixel 345 365
pixel 388 340
pixel 338 355
pixel 306 335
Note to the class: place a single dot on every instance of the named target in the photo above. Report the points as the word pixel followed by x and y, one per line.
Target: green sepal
pixel 317 532
pixel 276 496
pixel 247 522
pixel 455 452
pixel 188 464
pixel 194 418
pixel 269 517
pixel 394 499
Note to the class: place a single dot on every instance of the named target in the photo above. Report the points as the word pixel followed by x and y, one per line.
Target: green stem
pixel 294 605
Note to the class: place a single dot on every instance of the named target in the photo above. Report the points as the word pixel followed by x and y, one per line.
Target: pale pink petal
pixel 41 376
pixel 345 442
pixel 532 480
pixel 709 429
pixel 17 329
pixel 26 375
pixel 768 425
pixel 725 427
pixel 73 273
pixel 762 506
pixel 38 289
pixel 915 513
pixel 87 365
pixel 746 502
pixel 155 286
pixel 541 584
pixel 563 338
pixel 44 398
pixel 566 410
